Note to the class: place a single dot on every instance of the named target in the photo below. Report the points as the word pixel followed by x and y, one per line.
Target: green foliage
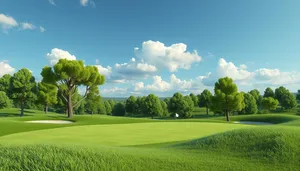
pixel 280 92
pixel 5 102
pixel 205 100
pixel 250 104
pixel 288 101
pixel 258 98
pixel 67 75
pixel 112 103
pixel 108 108
pixel 269 93
pixel 181 105
pixel 22 87
pixel 195 99
pixel 47 94
pixel 227 98
pixel 93 101
pixel 5 84
pixel 141 105
pixel 101 107
pixel 119 109
pixel 131 105
pixel 270 103
pixel 164 107
pixel 153 106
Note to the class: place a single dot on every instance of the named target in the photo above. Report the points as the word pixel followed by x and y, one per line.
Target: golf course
pixel 99 142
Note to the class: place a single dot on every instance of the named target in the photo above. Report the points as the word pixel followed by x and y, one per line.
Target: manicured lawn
pixel 123 143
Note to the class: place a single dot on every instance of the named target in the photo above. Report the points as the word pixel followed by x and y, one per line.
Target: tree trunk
pixel 46 108
pixel 207 110
pixel 70 107
pixel 22 109
pixel 227 116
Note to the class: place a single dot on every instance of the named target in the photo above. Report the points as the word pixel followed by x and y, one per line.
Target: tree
pixel 288 101
pixel 119 109
pixel 22 86
pixel 258 98
pixel 269 93
pixel 189 108
pixel 180 105
pixel 195 99
pixel 5 84
pixel 92 103
pixel 112 103
pixel 167 100
pixel 250 104
pixel 153 106
pixel 141 105
pixel 5 102
pixel 227 98
pixel 298 95
pixel 47 94
pixel 68 75
pixel 108 108
pixel 164 107
pixel 205 99
pixel 270 103
pixel 101 107
pixel 131 106
pixel 280 92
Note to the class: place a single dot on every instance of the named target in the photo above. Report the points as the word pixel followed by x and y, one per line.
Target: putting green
pixel 121 134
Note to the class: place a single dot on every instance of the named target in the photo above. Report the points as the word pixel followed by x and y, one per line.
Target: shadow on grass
pixel 12 115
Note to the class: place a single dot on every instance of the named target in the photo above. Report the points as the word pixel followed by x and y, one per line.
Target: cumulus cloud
pixel 56 54
pixel 7 22
pixel 27 26
pixel 134 69
pixel 158 85
pixel 172 57
pixel 104 71
pixel 276 77
pixel 5 68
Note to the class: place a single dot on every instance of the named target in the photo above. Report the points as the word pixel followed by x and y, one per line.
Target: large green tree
pixel 195 99
pixel 164 107
pixel 108 108
pixel 92 103
pixel 227 98
pixel 22 88
pixel 5 102
pixel 68 75
pixel 280 92
pixel 119 109
pixel 269 93
pixel 180 105
pixel 153 106
pixel 141 105
pixel 47 95
pixel 250 104
pixel 5 84
pixel 269 103
pixel 205 99
pixel 131 105
pixel 288 101
pixel 258 98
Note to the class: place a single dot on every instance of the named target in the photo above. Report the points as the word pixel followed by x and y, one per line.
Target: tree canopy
pixel 47 94
pixel 205 99
pixel 68 75
pixel 227 98
pixel 269 93
pixel 250 104
pixel 270 103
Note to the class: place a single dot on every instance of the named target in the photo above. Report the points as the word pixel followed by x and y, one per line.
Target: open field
pixel 122 143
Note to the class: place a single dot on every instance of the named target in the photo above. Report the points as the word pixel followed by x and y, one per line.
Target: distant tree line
pixel 59 92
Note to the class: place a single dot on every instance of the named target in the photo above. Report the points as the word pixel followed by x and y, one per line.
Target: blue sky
pixel 176 45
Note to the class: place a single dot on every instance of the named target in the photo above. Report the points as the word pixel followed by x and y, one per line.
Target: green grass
pixel 123 143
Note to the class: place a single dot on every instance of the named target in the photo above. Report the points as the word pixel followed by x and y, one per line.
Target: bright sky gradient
pixel 157 46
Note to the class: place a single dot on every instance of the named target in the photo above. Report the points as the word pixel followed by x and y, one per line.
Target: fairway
pixel 121 134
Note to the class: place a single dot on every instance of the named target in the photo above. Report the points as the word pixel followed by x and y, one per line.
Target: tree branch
pixel 85 95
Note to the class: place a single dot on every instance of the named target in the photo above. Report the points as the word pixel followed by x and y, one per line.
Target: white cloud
pixel 113 91
pixel 7 22
pixel 42 29
pixel 172 57
pixel 57 54
pixel 104 71
pixel 134 69
pixel 158 85
pixel 243 66
pixel 84 2
pixel 139 86
pixel 230 70
pixel 276 77
pixel 180 84
pixel 5 68
pixel 52 2
pixel 27 26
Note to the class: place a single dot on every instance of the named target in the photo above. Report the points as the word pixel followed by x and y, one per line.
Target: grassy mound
pixel 270 118
pixel 280 144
